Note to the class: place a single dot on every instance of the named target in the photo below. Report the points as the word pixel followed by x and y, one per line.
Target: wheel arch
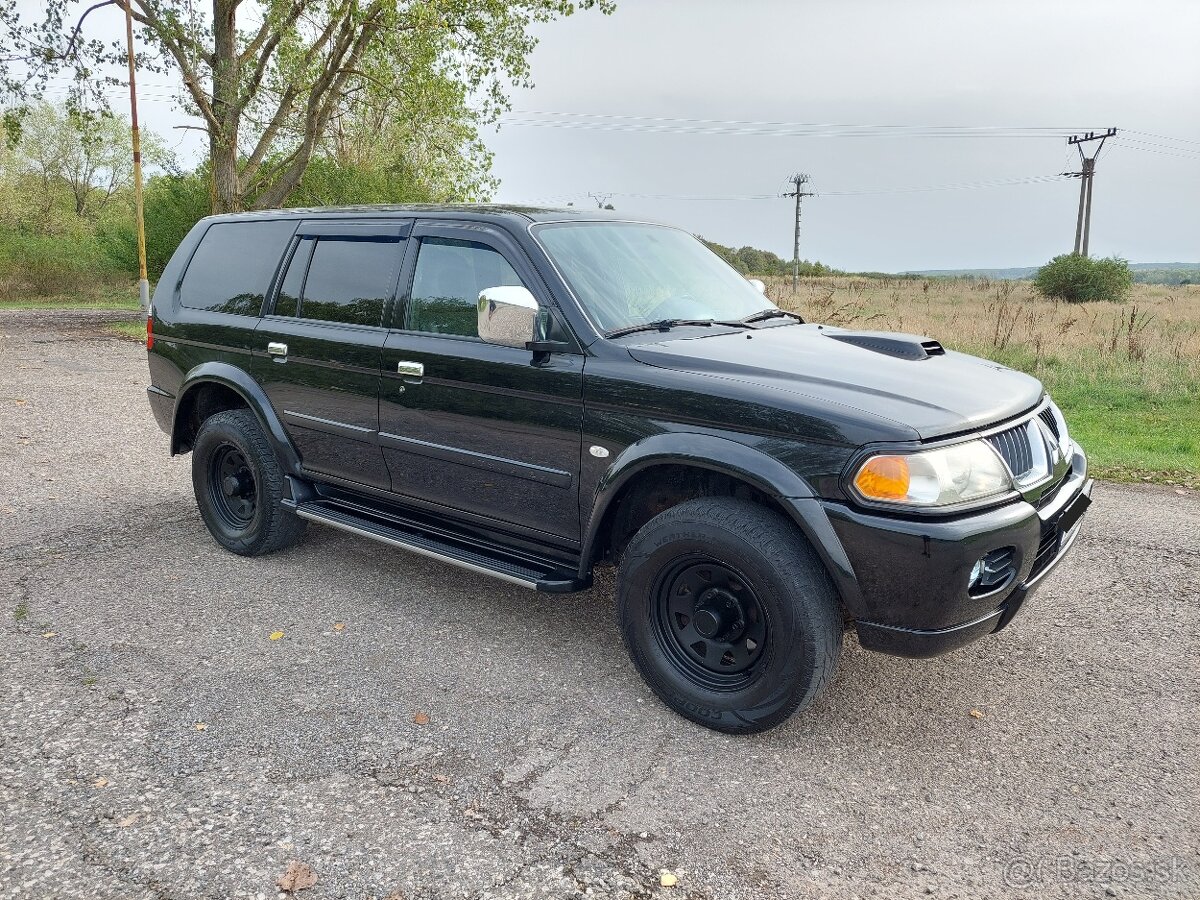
pixel 215 386
pixel 724 467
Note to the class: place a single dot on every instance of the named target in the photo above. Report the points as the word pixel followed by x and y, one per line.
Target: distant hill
pixel 1144 273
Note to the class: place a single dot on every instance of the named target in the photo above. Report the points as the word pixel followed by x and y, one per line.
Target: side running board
pixel 408 536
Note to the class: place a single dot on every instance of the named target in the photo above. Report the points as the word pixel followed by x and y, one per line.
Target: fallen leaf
pixel 19 402
pixel 276 635
pixel 338 626
pixel 50 634
pixel 201 726
pixel 421 719
pixel 100 782
pixel 127 821
pixel 667 878
pixel 395 895
pixel 976 714
pixel 441 779
pixel 297 876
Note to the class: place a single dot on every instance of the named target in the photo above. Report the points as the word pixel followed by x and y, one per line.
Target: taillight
pixel 150 330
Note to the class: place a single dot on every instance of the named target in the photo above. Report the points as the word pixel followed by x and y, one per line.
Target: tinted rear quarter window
pixel 232 268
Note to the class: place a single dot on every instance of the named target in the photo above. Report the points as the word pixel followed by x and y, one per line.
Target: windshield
pixel 626 274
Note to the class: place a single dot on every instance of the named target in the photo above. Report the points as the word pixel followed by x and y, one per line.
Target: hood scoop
pixel 901 346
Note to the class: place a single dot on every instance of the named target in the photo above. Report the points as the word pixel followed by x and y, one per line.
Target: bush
pixel 173 204
pixel 45 265
pixel 1078 279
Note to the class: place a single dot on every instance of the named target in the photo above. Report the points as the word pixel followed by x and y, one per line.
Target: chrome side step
pixel 498 564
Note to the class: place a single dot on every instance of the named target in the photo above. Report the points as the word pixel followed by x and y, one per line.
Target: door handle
pixel 277 349
pixel 412 369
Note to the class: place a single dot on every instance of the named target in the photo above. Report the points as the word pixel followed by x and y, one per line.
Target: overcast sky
pixel 1017 63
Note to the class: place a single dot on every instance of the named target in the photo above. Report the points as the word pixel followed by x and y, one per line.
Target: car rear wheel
pixel 728 614
pixel 239 486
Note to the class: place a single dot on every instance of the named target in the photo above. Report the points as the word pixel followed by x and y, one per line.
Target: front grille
pixel 1048 417
pixel 1014 448
pixel 1047 547
pixel 1052 489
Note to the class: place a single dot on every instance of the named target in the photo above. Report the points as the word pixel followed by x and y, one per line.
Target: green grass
pixel 133 330
pixel 104 297
pixel 21 613
pixel 1136 421
pixel 1132 433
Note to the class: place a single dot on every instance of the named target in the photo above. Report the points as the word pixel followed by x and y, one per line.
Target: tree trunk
pixel 223 140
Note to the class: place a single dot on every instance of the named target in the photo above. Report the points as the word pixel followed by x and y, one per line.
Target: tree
pixel 271 80
pixel 63 155
pixel 1078 279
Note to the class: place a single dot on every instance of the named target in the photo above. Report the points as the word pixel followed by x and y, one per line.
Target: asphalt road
pixel 155 742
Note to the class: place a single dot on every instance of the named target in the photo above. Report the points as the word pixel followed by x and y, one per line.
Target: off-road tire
pixel 231 438
pixel 758 554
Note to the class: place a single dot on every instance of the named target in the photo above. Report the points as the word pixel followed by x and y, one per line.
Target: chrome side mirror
pixel 507 316
pixel 757 285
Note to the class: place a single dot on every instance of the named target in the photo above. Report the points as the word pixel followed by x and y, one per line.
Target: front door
pixel 468 426
pixel 319 347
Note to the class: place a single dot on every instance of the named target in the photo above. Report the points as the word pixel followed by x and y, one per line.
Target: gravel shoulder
pixel 155 742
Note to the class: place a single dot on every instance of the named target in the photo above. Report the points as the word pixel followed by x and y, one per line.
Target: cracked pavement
pixel 156 743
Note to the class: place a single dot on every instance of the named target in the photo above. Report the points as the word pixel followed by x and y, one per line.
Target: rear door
pixel 468 426
pixel 318 348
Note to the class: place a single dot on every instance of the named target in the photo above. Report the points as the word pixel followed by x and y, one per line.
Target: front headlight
pixel 931 478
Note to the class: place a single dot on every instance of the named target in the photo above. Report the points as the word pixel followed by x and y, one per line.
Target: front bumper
pixel 913 575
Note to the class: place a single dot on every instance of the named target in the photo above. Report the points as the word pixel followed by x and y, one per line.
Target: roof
pixel 474 211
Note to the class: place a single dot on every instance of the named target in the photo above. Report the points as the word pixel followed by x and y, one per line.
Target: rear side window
pixel 232 268
pixel 446 285
pixel 335 279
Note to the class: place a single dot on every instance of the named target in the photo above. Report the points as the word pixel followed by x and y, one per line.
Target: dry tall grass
pixel 1156 333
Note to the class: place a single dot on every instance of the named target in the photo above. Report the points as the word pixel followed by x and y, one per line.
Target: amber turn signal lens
pixel 883 478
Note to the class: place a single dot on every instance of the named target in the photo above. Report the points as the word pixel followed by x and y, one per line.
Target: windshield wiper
pixel 661 325
pixel 771 313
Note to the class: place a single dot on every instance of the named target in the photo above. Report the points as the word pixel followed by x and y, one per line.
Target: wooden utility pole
pixel 1083 223
pixel 798 181
pixel 139 209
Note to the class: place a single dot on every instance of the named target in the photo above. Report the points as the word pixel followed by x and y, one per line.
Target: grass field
pixel 99 296
pixel 1126 375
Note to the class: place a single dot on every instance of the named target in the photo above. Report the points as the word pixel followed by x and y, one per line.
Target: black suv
pixel 529 393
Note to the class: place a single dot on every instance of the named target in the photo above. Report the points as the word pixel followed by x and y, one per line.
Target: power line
pixel 676 125
pixel 969 185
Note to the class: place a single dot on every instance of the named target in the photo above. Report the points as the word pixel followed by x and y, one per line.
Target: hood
pixel 902 378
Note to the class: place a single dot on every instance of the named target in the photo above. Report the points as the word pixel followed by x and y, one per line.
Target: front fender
pixel 744 463
pixel 241 383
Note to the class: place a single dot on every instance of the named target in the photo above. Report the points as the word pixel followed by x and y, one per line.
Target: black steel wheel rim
pixel 710 623
pixel 232 486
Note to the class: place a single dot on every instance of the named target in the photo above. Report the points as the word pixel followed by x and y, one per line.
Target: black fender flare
pixel 739 461
pixel 241 383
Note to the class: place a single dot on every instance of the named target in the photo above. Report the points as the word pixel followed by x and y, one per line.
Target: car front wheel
pixel 728 614
pixel 239 486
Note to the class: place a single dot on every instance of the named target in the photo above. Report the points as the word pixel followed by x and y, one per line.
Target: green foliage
pixel 173 204
pixel 275 83
pixel 1079 279
pixel 66 171
pixel 45 265
pixel 752 261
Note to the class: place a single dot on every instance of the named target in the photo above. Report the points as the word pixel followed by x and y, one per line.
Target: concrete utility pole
pixel 1083 224
pixel 798 181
